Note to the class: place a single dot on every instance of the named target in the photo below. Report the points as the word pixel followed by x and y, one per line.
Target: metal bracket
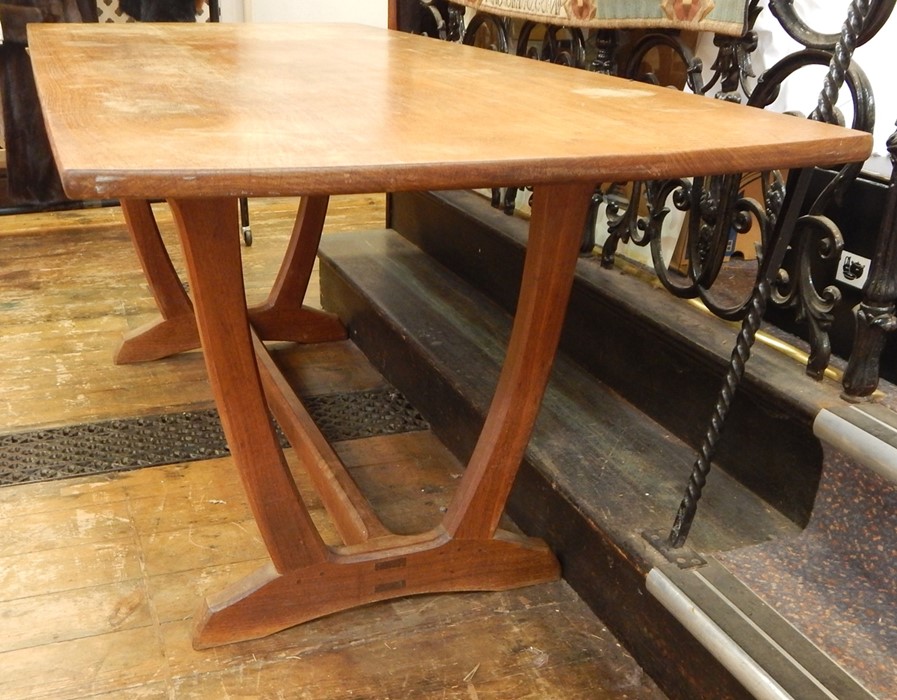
pixel 683 557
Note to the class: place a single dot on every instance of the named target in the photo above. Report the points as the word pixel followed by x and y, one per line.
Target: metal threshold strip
pixel 761 649
pixel 867 432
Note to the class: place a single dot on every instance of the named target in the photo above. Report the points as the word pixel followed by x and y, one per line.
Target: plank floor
pixel 99 575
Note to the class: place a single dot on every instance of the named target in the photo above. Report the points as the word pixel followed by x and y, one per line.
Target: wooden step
pixel 599 473
pixel 615 321
pixel 647 346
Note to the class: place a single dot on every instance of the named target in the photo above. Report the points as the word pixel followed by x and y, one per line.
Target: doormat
pixel 133 443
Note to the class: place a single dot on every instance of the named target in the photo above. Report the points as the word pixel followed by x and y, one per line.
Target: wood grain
pixel 193 532
pixel 250 127
pixel 285 109
pixel 72 286
pixel 130 637
pixel 99 576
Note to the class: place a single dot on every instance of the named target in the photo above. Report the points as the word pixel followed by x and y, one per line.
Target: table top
pixel 183 110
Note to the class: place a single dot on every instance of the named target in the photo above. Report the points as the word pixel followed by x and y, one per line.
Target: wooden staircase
pixel 429 302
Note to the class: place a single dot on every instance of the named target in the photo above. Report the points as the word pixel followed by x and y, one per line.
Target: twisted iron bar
pixel 740 355
pixel 842 55
pixel 796 192
pixel 790 20
pixel 825 111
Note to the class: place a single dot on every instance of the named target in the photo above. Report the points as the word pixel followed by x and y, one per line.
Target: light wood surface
pixel 72 286
pixel 99 576
pixel 273 114
pixel 150 111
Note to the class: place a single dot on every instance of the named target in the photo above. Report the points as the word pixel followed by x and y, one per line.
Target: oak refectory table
pixel 202 115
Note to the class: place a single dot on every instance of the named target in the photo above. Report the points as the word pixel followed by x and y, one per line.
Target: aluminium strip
pixel 740 664
pixel 845 436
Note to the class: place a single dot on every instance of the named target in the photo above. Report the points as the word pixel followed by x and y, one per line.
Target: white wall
pixel 801 91
pixel 372 12
pixel 231 10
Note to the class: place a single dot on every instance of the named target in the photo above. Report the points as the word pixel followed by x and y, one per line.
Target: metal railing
pixel 715 207
pixel 803 280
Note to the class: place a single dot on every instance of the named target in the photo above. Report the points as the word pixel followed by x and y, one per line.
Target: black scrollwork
pixel 564 46
pixel 622 217
pixel 808 285
pixel 818 249
pixel 489 32
pixel 445 20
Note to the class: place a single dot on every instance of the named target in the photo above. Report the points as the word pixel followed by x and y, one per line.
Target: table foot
pixel 157 339
pixel 267 601
pixel 176 330
pixel 282 316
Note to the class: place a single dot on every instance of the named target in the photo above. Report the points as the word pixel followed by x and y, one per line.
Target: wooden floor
pixel 99 575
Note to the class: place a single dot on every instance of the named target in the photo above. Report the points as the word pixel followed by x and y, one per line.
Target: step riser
pixel 635 340
pixel 610 581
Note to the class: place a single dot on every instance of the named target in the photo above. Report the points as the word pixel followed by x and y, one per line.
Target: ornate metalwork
pixel 788 17
pixel 564 46
pixel 809 287
pixel 815 307
pixel 841 60
pixel 818 240
pixel 606 45
pixel 488 31
pixel 733 68
pixel 623 221
pixel 664 40
pixel 716 206
pixel 447 19
pixel 876 316
pixel 770 267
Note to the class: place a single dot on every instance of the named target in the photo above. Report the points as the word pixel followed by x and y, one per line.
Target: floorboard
pixel 99 575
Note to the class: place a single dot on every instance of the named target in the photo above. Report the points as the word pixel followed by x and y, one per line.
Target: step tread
pixel 647 346
pixel 767 653
pixel 835 580
pixel 632 475
pixel 867 432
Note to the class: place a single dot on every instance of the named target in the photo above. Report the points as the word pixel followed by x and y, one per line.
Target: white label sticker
pixel 853 270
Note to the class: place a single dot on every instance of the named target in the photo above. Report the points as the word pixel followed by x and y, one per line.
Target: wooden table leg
pixel 175 331
pixel 552 249
pixel 308 579
pixel 280 317
pixel 283 316
pixel 216 276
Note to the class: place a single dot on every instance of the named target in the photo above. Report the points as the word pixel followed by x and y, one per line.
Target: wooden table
pixel 202 115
